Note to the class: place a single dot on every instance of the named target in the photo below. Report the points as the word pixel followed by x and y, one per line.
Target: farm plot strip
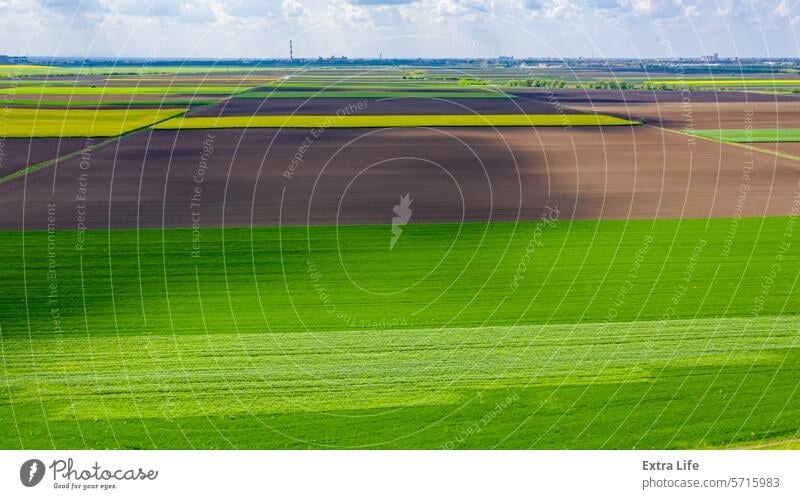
pixel 747 136
pixel 66 118
pixel 762 148
pixel 27 123
pixel 375 121
pixel 91 103
pixel 728 83
pixel 110 90
pixel 263 190
pixel 378 94
pixel 397 85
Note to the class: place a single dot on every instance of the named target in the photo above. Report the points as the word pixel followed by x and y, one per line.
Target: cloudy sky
pixel 400 28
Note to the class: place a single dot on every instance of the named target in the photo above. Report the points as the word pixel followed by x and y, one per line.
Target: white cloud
pixel 253 28
pixel 252 8
pixel 381 2
pixel 73 7
pixel 291 8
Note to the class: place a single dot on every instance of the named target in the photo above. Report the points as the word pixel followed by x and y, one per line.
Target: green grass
pixel 388 94
pixel 614 335
pixel 591 262
pixel 752 135
pixel 111 90
pixel 367 121
pixel 702 383
pixel 23 122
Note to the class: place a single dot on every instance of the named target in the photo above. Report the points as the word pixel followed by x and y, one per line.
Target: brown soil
pixel 330 106
pixel 570 97
pixel 18 154
pixel 358 176
pixel 706 115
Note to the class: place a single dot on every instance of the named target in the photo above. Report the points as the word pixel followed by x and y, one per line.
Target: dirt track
pixel 18 154
pixel 357 176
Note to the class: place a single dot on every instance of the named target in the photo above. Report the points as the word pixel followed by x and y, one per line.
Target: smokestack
pixel 291 55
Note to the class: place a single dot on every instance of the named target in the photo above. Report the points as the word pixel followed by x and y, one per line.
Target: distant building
pixel 711 59
pixel 8 59
pixel 506 60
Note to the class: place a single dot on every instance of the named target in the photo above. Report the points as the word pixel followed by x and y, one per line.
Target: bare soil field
pixel 289 177
pixel 18 154
pixel 705 116
pixel 388 106
pixel 751 110
pixel 576 97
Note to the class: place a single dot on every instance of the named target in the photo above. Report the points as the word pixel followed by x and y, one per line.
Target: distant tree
pixel 472 81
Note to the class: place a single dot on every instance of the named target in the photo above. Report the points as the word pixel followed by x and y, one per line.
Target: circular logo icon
pixel 31 472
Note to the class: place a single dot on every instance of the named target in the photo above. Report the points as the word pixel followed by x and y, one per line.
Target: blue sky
pixel 400 28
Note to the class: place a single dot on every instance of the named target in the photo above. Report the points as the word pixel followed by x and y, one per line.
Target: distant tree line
pixel 536 83
pixel 629 85
pixel 610 85
pixel 416 74
pixel 472 81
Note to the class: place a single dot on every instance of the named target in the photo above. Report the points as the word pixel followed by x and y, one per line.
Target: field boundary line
pixel 110 140
pixel 735 144
pixel 44 164
pixel 685 134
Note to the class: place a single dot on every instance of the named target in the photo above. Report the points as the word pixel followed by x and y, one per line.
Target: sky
pixel 400 28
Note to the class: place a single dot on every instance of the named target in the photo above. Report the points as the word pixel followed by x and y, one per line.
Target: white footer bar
pixel 400 474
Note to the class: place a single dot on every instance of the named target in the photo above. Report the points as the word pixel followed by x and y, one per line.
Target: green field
pixel 752 135
pixel 613 334
pixel 379 121
pixel 110 90
pixel 22 122
pixel 388 94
